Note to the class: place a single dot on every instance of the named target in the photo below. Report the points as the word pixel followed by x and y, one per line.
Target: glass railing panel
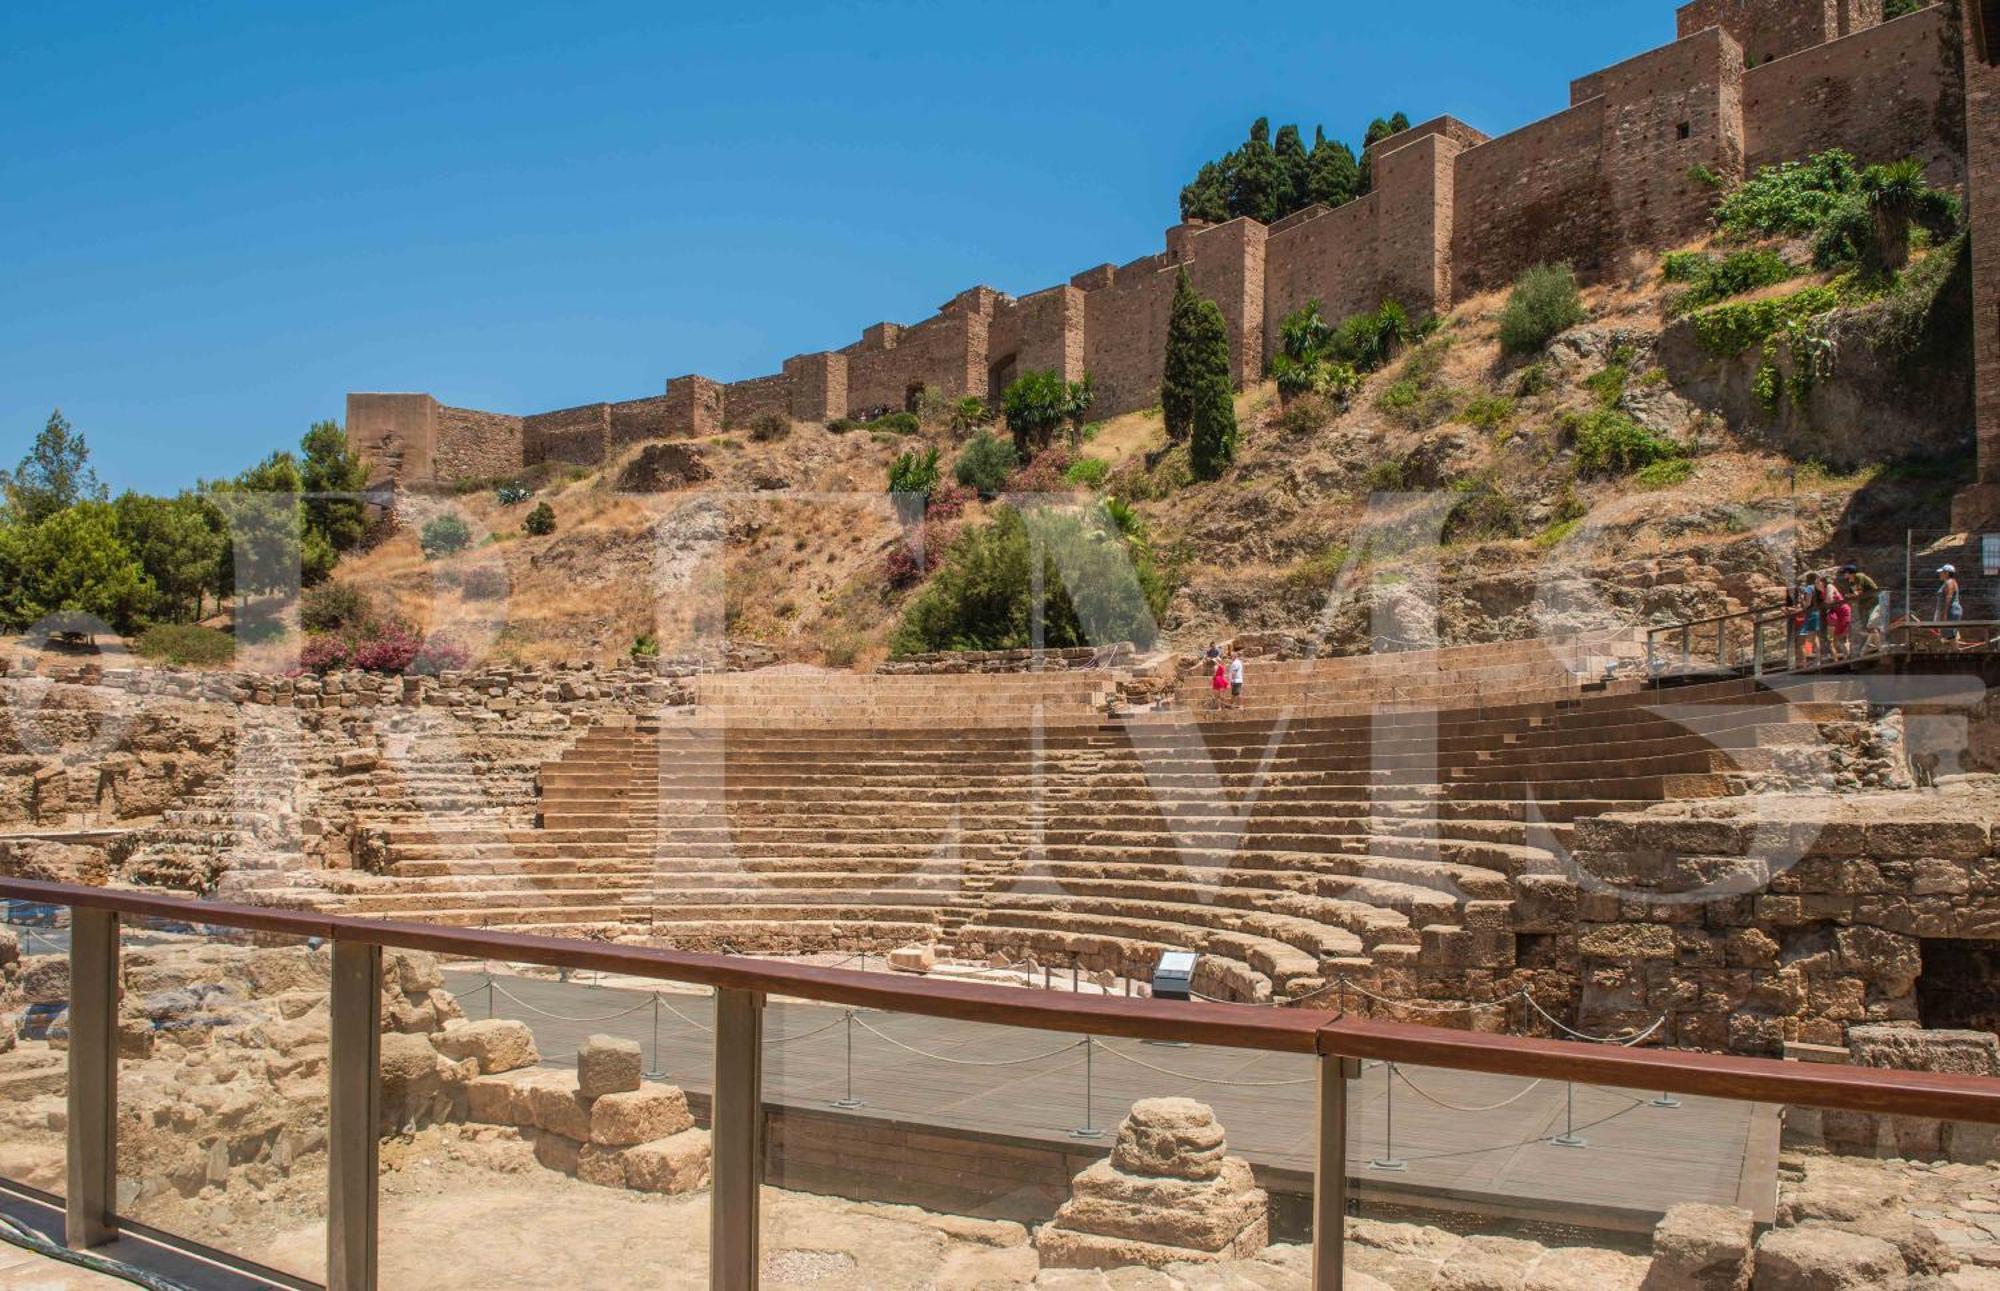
pixel 913 1151
pixel 551 1130
pixel 34 1074
pixel 222 1089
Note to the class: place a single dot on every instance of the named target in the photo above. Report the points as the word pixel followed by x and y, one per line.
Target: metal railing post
pixel 736 1130
pixel 1757 647
pixel 354 1114
pixel 1329 1264
pixel 90 1207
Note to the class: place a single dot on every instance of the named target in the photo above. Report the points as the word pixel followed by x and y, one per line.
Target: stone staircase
pixel 1286 849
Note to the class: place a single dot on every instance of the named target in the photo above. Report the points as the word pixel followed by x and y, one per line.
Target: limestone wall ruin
pixel 1453 214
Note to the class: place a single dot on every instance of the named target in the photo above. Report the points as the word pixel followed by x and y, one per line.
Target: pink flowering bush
pixel 1045 474
pixel 383 645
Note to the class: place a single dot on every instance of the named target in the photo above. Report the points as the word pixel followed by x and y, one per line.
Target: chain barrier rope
pixel 968 1062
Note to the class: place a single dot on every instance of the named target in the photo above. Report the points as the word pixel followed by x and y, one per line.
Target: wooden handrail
pixel 1761 1080
pixel 1233 1026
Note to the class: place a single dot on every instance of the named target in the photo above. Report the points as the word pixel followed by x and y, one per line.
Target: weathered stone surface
pixel 607 1065
pixel 1206 1215
pixel 45 979
pixel 1702 1248
pixel 1826 1259
pixel 676 1164
pixel 913 959
pixel 1173 1137
pixel 557 1108
pixel 639 1116
pixel 603 1166
pixel 497 1044
pixel 418 1083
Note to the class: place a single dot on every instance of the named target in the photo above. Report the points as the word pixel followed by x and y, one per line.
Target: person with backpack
pixel 1865 602
pixel 1836 619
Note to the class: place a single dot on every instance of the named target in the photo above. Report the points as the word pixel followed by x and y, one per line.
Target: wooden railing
pixel 737 1117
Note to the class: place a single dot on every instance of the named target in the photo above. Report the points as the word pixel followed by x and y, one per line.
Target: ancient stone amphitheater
pixel 1386 817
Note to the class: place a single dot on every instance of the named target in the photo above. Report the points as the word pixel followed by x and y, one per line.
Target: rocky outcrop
pixel 1168 1194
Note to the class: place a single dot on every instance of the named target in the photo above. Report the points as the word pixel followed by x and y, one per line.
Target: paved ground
pixel 1494 1145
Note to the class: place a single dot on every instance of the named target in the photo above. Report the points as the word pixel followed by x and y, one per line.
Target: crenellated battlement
pixel 1453 213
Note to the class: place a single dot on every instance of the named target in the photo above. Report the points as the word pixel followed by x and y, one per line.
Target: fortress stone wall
pixel 1624 169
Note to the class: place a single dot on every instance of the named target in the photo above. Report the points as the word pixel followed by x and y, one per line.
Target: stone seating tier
pixel 1284 850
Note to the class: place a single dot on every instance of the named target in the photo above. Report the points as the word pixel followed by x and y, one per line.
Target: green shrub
pixel 1792 198
pixel 1710 279
pixel 842 425
pixel 898 423
pixel 187 644
pixel 915 473
pixel 985 464
pixel 770 426
pixel 1367 341
pixel 331 606
pixel 1534 380
pixel 1686 266
pixel 510 493
pixel 541 522
pixel 1481 513
pixel 444 535
pixel 1096 588
pixel 1544 304
pixel 1664 474
pixel 1487 411
pixel 1729 330
pixel 1090 472
pixel 1608 442
pixel 969 414
pixel 1608 385
pixel 645 646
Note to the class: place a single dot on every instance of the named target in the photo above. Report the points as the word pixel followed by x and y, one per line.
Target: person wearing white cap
pixel 1949 608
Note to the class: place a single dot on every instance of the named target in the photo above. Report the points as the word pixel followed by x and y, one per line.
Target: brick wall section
pixel 1768 29
pixel 1039 332
pixel 694 406
pixel 1692 88
pixel 1535 196
pixel 947 351
pixel 1413 220
pixel 745 401
pixel 576 435
pixel 476 445
pixel 819 386
pixel 396 434
pixel 1982 117
pixel 1879 94
pixel 637 420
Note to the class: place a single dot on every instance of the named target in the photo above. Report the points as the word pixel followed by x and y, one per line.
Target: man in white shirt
pixel 1235 679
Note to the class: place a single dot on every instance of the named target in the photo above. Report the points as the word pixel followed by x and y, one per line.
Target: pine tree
pixel 1378 130
pixel 1333 177
pixel 1177 379
pixel 1294 169
pixel 328 466
pixel 55 474
pixel 1255 184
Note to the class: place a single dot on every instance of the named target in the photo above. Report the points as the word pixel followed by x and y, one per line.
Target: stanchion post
pixel 1388 1160
pixel 657 1071
pixel 737 1140
pixel 848 1102
pixel 1089 1128
pixel 354 1061
pixel 90 1218
pixel 1569 1138
pixel 1329 1232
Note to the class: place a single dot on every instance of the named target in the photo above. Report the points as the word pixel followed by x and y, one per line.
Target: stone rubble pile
pixel 1169 1193
pixel 603 1124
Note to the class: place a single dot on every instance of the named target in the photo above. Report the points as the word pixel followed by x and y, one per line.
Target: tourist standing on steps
pixel 1836 620
pixel 1949 609
pixel 1235 680
pixel 1214 655
pixel 1217 684
pixel 1808 620
pixel 1865 602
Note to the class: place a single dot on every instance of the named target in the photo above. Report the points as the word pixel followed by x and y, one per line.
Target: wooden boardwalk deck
pixel 1501 1157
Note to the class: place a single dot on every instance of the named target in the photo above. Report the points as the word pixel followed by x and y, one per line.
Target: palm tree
pixel 1895 192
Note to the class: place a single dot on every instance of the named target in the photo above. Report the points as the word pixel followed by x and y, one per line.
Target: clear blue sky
pixel 216 219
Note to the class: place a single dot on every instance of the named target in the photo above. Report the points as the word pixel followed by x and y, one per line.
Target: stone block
pixel 559 1109
pixel 45 979
pixel 607 1065
pixel 638 1116
pixel 489 1100
pixel 913 959
pixel 558 1152
pixel 497 1044
pixel 1826 1259
pixel 1170 1137
pixel 673 1165
pixel 1703 1248
pixel 601 1165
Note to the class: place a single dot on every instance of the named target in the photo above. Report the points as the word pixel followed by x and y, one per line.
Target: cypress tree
pixel 1177 379
pixel 1255 183
pixel 1332 175
pixel 1294 169
pixel 1207 198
